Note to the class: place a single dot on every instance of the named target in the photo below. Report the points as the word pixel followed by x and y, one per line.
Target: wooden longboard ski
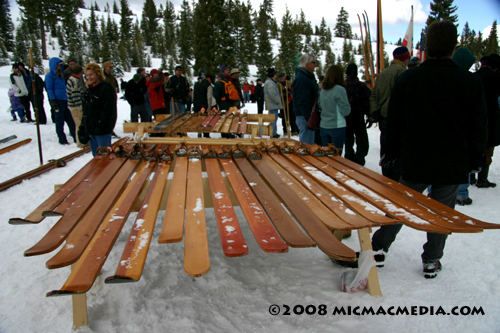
pixel 232 240
pixel 283 222
pixel 329 200
pixel 384 205
pixel 196 259
pixel 90 263
pixel 82 234
pixel 331 220
pixel 347 197
pixel 14 146
pixel 435 206
pixel 62 192
pixel 163 125
pixel 7 139
pixel 131 264
pixel 173 223
pixel 303 213
pixel 58 233
pixel 397 199
pixel 262 229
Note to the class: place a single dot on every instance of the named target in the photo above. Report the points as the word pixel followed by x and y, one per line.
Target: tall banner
pixel 408 40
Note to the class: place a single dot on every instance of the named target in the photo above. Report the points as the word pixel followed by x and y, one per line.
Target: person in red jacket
pixel 155 91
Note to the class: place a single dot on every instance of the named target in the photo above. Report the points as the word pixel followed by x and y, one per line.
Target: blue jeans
pixel 63 115
pixel 463 190
pixel 20 113
pixel 275 112
pixel 305 134
pixel 179 107
pixel 97 141
pixel 246 97
pixel 333 135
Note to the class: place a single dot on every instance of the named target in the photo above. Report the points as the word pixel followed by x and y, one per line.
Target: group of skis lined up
pixel 232 121
pixel 320 190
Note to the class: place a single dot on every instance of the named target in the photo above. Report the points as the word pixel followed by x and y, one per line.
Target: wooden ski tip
pixel 62 293
pixel 50 213
pixel 116 279
pixel 19 221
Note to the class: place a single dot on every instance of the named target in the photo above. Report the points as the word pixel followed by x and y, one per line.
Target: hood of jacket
pixel 464 58
pixel 53 64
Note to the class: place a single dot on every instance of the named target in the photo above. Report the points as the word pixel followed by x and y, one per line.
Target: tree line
pixel 201 36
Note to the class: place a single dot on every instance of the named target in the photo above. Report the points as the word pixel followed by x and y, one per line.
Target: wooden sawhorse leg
pixel 366 244
pixel 79 310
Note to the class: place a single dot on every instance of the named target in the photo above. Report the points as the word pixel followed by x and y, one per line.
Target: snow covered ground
pixel 236 294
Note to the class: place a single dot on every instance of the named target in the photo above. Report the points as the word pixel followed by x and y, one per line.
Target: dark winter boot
pixel 14 118
pixel 431 269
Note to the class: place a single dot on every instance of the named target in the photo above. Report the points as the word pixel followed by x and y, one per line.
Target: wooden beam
pixel 80 317
pixel 366 244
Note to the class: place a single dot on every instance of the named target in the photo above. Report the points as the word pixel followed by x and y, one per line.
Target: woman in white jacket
pixel 272 97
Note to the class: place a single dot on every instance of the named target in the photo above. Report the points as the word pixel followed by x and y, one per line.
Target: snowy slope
pixel 237 292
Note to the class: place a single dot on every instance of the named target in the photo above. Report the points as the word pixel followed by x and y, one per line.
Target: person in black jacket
pixel 259 96
pixel 178 86
pixel 202 94
pixel 355 132
pixel 40 85
pixel 437 129
pixel 134 94
pixel 491 82
pixel 99 108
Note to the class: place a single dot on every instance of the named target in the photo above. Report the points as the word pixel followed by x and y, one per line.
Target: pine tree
pixel 149 24
pixel 115 8
pixel 289 42
pixel 20 52
pixel 492 42
pixel 72 31
pixel 96 7
pixel 247 37
pixel 138 55
pixel 185 37
pixel 346 53
pixel 170 41
pixel 125 34
pixel 330 57
pixel 343 28
pixel 6 26
pixel 42 13
pixel 37 54
pixel 93 39
pixel 441 10
pixel 105 53
pixel 264 56
pixel 467 38
pixel 323 34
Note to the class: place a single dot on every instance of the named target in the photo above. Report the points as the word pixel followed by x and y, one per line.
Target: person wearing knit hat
pixel 259 96
pixel 15 65
pixel 401 53
pixel 352 70
pixel 235 80
pixel 18 84
pixel 156 95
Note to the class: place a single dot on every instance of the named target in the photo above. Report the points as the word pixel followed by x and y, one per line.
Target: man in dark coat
pixel 305 91
pixel 359 99
pixel 134 94
pixel 202 94
pixel 491 82
pixel 178 86
pixel 259 96
pixel 437 129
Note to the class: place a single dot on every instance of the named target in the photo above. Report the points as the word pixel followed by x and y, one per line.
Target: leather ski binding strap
pixel 120 152
pixel 253 153
pixel 137 152
pixel 262 147
pixel 103 151
pixel 331 150
pixel 209 152
pixel 272 148
pixel 194 152
pixel 223 153
pixel 238 151
pixel 181 150
pixel 316 151
pixel 300 150
pixel 165 154
pixel 285 148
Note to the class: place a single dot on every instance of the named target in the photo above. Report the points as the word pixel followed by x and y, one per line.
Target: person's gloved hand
pixel 373 118
pixel 386 162
pixel 54 105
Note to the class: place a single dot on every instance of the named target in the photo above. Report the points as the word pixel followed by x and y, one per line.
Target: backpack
pixel 231 91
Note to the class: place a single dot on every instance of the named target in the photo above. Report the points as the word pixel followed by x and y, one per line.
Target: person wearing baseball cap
pixel 235 80
pixel 108 67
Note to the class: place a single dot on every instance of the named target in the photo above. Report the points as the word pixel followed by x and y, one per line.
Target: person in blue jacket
pixel 56 88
